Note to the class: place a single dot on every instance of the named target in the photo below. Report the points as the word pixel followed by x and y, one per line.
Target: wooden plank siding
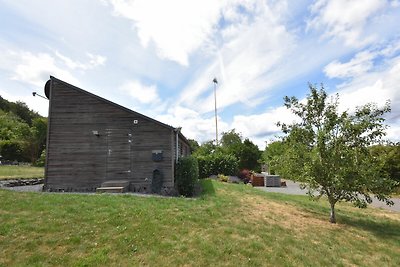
pixel 92 140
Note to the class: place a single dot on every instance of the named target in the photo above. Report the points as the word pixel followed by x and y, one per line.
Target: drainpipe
pixel 177 130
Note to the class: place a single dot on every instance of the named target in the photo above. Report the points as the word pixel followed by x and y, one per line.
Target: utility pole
pixel 215 108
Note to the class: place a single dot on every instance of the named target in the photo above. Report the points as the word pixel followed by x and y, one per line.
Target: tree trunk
pixel 332 219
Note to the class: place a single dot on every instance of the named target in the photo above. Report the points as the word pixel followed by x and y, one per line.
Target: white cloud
pixel 353 95
pixel 254 48
pixel 360 64
pixel 393 133
pixel 261 127
pixel 244 63
pixel 395 3
pixel 345 19
pixel 376 87
pixel 369 87
pixel 368 82
pixel 176 27
pixel 94 61
pixel 391 49
pixel 142 93
pixel 193 125
pixel 36 68
pixel 33 68
pixel 363 61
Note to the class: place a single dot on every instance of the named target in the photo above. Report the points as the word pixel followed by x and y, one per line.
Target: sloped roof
pixel 52 78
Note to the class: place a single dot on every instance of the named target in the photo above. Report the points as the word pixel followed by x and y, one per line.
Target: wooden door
pixel 119 146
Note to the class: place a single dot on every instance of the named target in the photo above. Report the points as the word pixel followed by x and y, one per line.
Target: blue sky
pixel 160 57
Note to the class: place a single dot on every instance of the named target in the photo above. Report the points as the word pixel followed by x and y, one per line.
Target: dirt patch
pixel 285 215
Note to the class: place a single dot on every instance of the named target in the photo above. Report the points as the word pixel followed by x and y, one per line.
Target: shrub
pixel 223 178
pixel 186 175
pixel 217 163
pixel 42 159
pixel 245 175
pixel 13 150
pixel 204 166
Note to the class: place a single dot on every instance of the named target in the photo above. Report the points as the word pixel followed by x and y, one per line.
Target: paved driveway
pixel 293 188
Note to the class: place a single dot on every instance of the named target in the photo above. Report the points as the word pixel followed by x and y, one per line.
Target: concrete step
pixel 110 189
pixel 116 183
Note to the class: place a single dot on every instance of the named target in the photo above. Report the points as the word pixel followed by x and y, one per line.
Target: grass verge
pixel 20 171
pixel 229 225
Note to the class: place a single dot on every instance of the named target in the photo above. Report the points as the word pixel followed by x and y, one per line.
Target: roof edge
pixel 115 104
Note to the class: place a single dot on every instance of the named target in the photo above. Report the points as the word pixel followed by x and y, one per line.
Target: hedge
pixel 13 150
pixel 217 163
pixel 186 175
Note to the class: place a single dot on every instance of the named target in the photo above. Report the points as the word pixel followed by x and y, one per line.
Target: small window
pixel 180 149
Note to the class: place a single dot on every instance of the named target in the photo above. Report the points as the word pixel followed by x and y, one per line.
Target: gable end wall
pixel 79 160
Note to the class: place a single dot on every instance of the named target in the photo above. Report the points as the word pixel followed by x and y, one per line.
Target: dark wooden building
pixel 92 141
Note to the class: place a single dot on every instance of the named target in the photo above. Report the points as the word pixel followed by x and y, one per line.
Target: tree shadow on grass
pixel 382 228
pixel 385 229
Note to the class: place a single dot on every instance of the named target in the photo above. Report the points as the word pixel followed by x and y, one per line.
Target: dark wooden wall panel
pixel 80 160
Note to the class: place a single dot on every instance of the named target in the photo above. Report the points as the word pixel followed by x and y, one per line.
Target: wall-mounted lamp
pixel 36 94
pixel 96 133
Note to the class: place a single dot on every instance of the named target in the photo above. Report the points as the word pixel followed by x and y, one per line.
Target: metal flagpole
pixel 215 102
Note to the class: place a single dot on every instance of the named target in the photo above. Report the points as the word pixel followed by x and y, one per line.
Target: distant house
pixel 92 141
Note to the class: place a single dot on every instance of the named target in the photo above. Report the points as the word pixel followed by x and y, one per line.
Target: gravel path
pixel 293 188
pixel 25 188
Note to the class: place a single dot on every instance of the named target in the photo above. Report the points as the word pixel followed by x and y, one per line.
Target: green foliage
pixel 36 141
pixel 272 154
pixel 245 151
pixel 231 139
pixel 12 127
pixel 392 163
pixel 20 109
pixel 389 156
pixel 217 163
pixel 42 159
pixel 328 151
pixel 232 155
pixel 223 178
pixel 186 175
pixel 12 150
pixel 249 156
pixel 194 145
pixel 24 129
pixel 231 143
pixel 205 149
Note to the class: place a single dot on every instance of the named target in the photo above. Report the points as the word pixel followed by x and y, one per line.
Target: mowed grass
pixel 229 225
pixel 20 171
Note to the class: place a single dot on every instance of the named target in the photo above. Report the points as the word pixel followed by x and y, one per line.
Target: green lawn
pixel 230 225
pixel 23 171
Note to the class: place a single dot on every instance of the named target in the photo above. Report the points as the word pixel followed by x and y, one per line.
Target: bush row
pixel 13 150
pixel 217 163
pixel 19 151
